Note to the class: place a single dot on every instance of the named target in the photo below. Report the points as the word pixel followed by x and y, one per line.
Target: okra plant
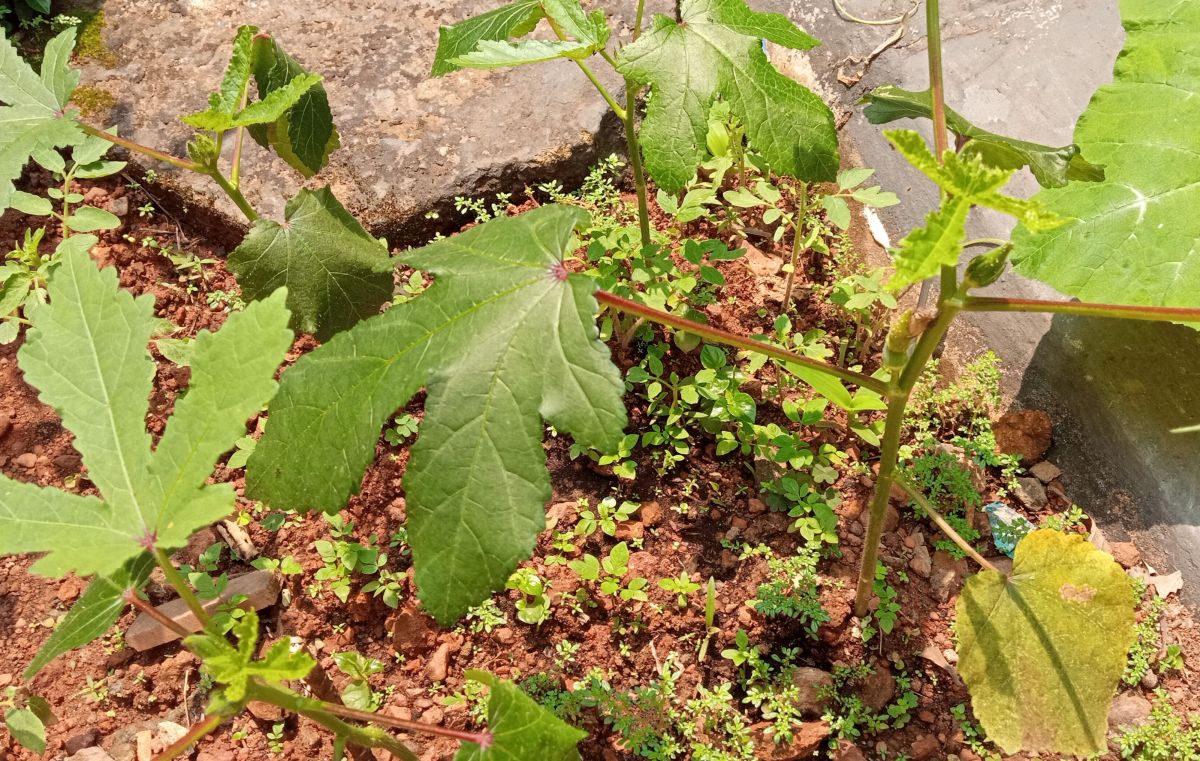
pixel 505 340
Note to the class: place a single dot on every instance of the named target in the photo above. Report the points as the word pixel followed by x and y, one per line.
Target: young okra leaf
pixel 336 273
pixel 1041 650
pixel 716 50
pixel 1051 167
pixel 520 728
pixel 234 667
pixel 966 181
pixel 513 20
pixel 503 339
pixel 86 353
pixel 26 728
pixel 97 609
pixel 1131 239
pixel 588 33
pixel 303 135
pixel 33 116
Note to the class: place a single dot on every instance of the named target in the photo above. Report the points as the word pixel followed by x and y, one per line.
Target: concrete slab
pixel 1114 389
pixel 409 143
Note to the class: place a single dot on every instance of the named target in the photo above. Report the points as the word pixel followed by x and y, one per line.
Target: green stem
pixel 479 738
pixel 1157 314
pixel 184 590
pixel 66 206
pixel 997 242
pixel 163 620
pixel 635 160
pixel 367 737
pixel 637 19
pixel 235 173
pixel 797 236
pixel 937 87
pixel 941 522
pixel 196 733
pixel 234 194
pixel 153 153
pixel 730 339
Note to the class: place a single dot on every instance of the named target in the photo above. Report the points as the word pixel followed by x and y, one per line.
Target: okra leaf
pixel 32 119
pixel 234 667
pixel 336 273
pixel 513 20
pixel 716 51
pixel 86 353
pixel 1131 239
pixel 966 181
pixel 1042 649
pixel 97 609
pixel 1051 167
pixel 499 54
pixel 26 728
pixel 228 98
pixel 304 134
pixel 503 339
pixel 520 728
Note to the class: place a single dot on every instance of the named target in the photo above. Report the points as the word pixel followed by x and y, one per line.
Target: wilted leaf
pixel 1041 650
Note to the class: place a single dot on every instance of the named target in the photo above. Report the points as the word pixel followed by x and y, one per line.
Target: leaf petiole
pixel 1156 314
pixel 145 150
pixel 946 528
pixel 184 590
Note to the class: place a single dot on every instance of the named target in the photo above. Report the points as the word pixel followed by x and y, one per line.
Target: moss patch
pixel 90 40
pixel 93 101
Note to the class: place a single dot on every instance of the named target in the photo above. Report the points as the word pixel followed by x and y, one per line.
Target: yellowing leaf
pixel 1041 650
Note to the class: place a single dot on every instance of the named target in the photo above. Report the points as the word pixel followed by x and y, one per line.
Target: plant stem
pixel 637 19
pixel 163 620
pixel 235 172
pixel 196 733
pixel 730 339
pixel 946 528
pixel 1158 314
pixel 183 589
pixel 153 153
pixel 234 194
pixel 367 737
pixel 797 236
pixel 479 738
pixel 937 88
pixel 635 159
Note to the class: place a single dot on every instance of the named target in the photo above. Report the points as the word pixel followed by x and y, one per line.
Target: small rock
pixel 856 528
pixel 78 742
pixel 1045 471
pixel 5 680
pixel 71 463
pixel 950 655
pixel 651 513
pixel 1024 433
pixel 1125 553
pixel 923 748
pixel 738 522
pixel 914 539
pixel 757 506
pixel 815 690
pixel 261 589
pixel 504 635
pixel 891 520
pixel 145 746
pixel 119 206
pixel 921 564
pixel 559 511
pixel 166 734
pixel 433 715
pixel 760 264
pixel 5 424
pixel 1031 493
pixel 1150 680
pixel 927 716
pixel 877 689
pixel 91 754
pixel 94 194
pixel 412 631
pixel 70 589
pixel 265 711
pixel 27 460
pixel 848 753
pixel 438 663
pixel 1129 708
pixel 947 574
pixel 808 738
pixel 728 560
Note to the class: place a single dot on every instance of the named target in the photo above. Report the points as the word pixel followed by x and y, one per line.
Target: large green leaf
pixel 584 35
pixel 521 729
pixel 26 728
pixel 965 181
pixel 97 609
pixel 86 353
pixel 335 272
pixel 303 135
pixel 513 20
pixel 1132 239
pixel 234 667
pixel 32 119
pixel 1052 167
pixel 503 339
pixel 716 50
pixel 1041 650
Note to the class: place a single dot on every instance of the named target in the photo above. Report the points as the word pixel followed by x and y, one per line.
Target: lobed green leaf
pixel 520 728
pixel 1132 237
pixel 513 20
pixel 503 339
pixel 234 667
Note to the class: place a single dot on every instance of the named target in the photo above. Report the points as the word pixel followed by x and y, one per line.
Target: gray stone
pixel 1128 709
pixel 921 563
pixel 85 739
pixel 410 144
pixel 1045 471
pixel 261 589
pixel 91 754
pixel 815 690
pixel 1031 493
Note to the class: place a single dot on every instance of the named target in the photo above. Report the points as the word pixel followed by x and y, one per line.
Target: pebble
pixel 1125 553
pixel 5 424
pixel 1031 493
pixel 438 663
pixel 921 563
pixel 1045 471
pixel 924 748
pixel 1128 709
pixel 27 460
pixel 5 680
pixel 757 506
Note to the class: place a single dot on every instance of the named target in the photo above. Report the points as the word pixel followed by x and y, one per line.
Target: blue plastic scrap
pixel 1007 525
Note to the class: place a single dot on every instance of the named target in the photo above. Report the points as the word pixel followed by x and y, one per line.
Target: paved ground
pixel 1114 389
